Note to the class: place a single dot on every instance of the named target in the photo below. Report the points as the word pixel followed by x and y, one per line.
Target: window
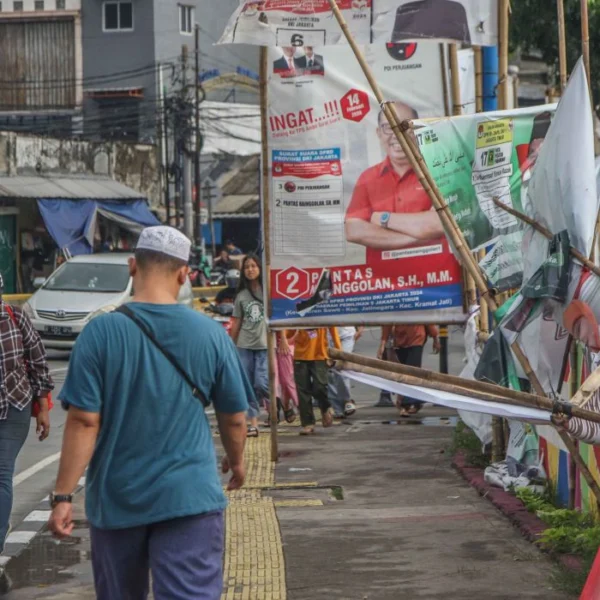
pixel 118 16
pixel 60 4
pixel 186 19
pixel 39 5
pixel 18 6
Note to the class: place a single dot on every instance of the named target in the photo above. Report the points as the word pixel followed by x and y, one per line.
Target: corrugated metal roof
pixel 99 188
pixel 240 205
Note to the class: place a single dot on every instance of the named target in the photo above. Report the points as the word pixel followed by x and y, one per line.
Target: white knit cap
pixel 165 240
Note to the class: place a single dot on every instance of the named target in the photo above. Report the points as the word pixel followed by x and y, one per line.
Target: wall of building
pixel 49 5
pixel 212 16
pixel 135 165
pixel 119 60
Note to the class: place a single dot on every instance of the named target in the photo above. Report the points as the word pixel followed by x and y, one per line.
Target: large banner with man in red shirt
pixel 354 237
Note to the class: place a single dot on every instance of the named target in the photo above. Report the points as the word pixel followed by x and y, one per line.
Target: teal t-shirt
pixel 154 458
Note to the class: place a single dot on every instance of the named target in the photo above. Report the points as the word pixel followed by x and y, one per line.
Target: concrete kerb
pixel 528 524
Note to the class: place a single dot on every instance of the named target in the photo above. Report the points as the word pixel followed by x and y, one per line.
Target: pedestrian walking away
pixel 408 342
pixel 285 373
pixel 310 370
pixel 338 386
pixel 249 332
pixel 24 392
pixel 138 384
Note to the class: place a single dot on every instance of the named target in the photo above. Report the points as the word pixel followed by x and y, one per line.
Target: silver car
pixel 79 290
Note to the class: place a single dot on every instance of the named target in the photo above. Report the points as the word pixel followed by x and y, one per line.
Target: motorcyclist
pixel 228 294
pixel 199 262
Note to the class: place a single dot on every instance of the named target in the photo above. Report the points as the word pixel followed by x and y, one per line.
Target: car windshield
pixel 89 277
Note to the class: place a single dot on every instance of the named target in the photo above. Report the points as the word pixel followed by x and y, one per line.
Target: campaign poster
pixel 475 159
pixel 354 237
pixel 312 23
pixel 297 23
pixel 471 22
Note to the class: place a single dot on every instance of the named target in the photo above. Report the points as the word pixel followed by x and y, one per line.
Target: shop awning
pixel 83 188
pixel 72 223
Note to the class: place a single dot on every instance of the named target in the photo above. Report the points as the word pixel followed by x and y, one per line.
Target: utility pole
pixel 208 196
pixel 188 205
pixel 198 145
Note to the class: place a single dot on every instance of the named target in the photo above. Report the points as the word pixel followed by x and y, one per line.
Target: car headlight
pixel 28 310
pixel 102 311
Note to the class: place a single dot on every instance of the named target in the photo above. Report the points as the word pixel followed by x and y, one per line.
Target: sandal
pixel 290 415
pixel 327 418
pixel 413 409
pixel 307 430
pixel 252 432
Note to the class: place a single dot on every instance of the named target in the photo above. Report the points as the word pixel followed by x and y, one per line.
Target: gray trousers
pixel 338 386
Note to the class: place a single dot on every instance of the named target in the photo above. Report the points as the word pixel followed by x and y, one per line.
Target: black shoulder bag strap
pixel 125 310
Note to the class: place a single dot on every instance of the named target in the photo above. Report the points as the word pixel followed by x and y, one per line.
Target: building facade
pixel 132 60
pixel 41 66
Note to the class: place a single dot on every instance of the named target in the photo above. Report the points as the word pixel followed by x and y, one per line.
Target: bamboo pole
pixel 444 79
pixel 586 262
pixel 503 24
pixel 562 45
pixel 271 342
pixel 469 283
pixel 478 79
pixel 585 40
pixel 538 402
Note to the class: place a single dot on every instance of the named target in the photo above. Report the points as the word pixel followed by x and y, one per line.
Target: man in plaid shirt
pixel 24 377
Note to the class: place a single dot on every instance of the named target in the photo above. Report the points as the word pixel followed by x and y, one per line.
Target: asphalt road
pixel 37 464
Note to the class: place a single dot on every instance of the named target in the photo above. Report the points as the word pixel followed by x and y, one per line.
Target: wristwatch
pixel 58 498
pixel 385 219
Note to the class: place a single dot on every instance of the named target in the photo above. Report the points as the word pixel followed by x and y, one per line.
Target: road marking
pixel 20 537
pixel 27 473
pixel 38 516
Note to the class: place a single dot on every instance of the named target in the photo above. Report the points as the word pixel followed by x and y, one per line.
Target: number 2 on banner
pixel 292 279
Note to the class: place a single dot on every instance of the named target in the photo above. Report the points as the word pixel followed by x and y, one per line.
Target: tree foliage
pixel 534 26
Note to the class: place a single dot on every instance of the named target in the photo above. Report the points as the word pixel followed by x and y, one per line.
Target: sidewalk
pixel 407 526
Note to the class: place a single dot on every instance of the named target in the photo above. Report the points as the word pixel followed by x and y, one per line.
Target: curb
pixel 530 526
pixel 19 538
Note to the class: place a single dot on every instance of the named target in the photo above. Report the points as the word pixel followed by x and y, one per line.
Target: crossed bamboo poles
pixel 410 148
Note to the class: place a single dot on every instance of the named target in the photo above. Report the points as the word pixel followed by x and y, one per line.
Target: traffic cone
pixel 591 591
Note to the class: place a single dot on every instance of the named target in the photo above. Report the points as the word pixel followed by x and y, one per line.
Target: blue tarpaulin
pixel 71 223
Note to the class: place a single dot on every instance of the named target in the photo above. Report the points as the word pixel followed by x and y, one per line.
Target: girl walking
pixel 249 333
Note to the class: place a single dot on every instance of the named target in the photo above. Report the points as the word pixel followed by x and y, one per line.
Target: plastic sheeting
pixel 450 400
pixel 72 223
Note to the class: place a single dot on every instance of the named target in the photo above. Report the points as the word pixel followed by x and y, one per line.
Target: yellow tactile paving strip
pixel 254 563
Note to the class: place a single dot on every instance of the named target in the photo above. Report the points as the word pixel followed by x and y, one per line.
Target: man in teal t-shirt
pixel 153 498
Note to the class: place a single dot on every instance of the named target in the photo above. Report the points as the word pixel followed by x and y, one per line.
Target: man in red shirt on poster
pixel 389 209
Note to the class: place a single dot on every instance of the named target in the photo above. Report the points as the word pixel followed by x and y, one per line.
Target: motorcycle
pixel 217 277
pixel 221 313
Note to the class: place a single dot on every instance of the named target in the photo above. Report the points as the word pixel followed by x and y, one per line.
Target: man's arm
pixel 376 237
pixel 79 441
pixel 420 226
pixel 386 332
pixel 232 429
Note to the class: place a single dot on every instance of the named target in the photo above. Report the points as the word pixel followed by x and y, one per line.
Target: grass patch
pixel 466 441
pixel 337 492
pixel 569 532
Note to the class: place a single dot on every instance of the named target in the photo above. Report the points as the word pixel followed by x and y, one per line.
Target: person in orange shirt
pixel 310 371
pixel 389 209
pixel 408 342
